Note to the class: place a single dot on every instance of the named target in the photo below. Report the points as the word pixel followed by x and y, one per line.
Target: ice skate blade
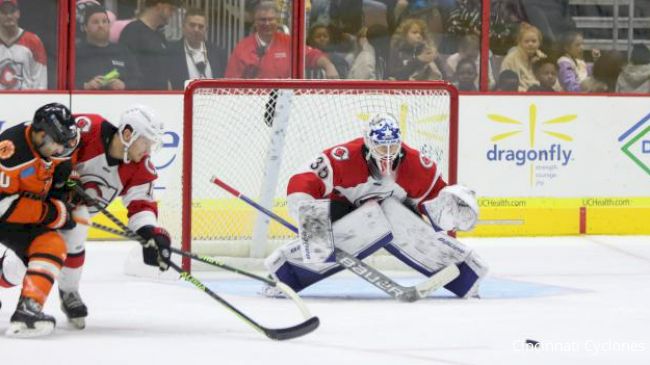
pixel 20 330
pixel 78 323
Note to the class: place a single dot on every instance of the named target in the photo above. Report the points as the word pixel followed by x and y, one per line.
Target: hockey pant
pixel 393 227
pixel 36 257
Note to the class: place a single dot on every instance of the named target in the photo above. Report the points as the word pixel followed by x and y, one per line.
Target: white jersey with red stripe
pixel 23 63
pixel 106 178
pixel 342 173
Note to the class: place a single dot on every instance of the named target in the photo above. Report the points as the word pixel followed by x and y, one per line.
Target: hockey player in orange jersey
pixel 31 155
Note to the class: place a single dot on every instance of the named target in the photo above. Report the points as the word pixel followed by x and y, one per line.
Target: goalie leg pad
pixel 416 244
pixel 359 233
pixel 472 272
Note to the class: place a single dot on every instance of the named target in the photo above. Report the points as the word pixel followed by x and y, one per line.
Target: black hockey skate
pixel 29 321
pixel 74 308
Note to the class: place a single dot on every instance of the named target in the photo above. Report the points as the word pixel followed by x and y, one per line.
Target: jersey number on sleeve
pixel 320 167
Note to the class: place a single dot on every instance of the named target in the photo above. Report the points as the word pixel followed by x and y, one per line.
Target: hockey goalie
pixel 372 193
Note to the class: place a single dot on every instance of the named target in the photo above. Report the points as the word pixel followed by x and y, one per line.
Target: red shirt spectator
pixel 250 60
pixel 266 54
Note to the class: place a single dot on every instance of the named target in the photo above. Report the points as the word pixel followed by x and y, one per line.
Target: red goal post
pixel 254 134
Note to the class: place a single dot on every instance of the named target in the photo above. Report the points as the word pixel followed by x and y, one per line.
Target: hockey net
pixel 254 134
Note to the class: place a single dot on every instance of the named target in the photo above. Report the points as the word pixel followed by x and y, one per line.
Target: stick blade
pixel 437 281
pixel 298 330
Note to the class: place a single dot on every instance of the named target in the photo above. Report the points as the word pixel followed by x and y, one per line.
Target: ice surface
pixel 585 299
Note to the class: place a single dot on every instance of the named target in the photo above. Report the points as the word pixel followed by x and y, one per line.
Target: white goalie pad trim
pixel 418 241
pixel 354 233
pixel 455 208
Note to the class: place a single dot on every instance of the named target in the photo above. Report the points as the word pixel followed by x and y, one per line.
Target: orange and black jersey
pixel 25 180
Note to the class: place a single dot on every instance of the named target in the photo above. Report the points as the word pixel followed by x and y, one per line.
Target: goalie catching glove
pixel 156 251
pixel 455 208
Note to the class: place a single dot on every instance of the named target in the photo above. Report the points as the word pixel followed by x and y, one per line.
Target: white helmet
pixel 144 123
pixel 384 141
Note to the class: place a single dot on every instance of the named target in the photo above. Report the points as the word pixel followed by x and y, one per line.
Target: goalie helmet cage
pixel 254 134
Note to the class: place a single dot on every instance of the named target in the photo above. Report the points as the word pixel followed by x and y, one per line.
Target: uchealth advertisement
pixel 539 164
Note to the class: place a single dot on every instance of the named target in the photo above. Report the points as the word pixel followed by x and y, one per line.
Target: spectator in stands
pixel 412 53
pixel 551 17
pixel 101 65
pixel 605 73
pixel 364 65
pixel 508 81
pixel 572 67
pixel 469 48
pixel 193 57
pixel 465 76
pixel 145 39
pixel 266 54
pixel 546 73
pixel 41 18
pixel 321 37
pixel 347 15
pixel 521 58
pixel 635 77
pixel 23 62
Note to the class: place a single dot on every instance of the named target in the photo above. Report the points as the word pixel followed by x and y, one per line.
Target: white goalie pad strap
pixel 418 241
pixel 455 208
pixel 354 233
pixel 315 231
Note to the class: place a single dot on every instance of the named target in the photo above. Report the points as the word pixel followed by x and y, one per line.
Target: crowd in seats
pixel 161 44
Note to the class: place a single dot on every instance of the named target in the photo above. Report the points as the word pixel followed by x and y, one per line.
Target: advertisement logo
pixel 636 143
pixel 544 159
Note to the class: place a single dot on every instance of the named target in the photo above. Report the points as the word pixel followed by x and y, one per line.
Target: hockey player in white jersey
pixel 110 162
pixel 372 193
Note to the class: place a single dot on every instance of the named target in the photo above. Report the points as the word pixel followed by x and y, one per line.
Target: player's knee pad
pixel 417 244
pixel 360 233
pixel 12 269
pixel 46 254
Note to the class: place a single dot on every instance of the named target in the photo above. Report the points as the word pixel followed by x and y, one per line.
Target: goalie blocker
pixel 390 225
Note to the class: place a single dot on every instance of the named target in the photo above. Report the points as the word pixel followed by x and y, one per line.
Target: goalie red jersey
pixel 345 172
pixel 108 177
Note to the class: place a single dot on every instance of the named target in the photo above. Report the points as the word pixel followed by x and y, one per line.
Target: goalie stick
pixel 301 329
pixel 364 271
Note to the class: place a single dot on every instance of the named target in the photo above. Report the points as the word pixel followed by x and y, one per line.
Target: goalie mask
pixel 143 123
pixel 383 140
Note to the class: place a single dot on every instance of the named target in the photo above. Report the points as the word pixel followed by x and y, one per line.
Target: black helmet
pixel 57 122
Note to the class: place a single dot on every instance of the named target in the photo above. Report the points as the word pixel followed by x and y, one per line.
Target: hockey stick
pixel 364 271
pixel 301 329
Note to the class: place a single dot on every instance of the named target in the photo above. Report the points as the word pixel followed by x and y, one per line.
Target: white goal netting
pixel 254 135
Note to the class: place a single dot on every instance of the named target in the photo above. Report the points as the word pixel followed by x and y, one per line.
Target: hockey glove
pixel 156 251
pixel 58 215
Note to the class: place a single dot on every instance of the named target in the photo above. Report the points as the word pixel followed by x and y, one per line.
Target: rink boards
pixel 541 165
